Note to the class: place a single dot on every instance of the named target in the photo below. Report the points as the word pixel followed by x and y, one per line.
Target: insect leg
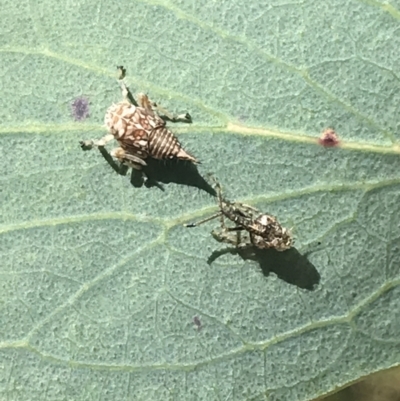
pixel 126 93
pixel 219 191
pixel 145 102
pixel 119 168
pixel 128 159
pixel 227 237
pixel 165 115
pixel 236 228
pixel 220 200
pixel 180 118
pixel 90 144
pixel 135 159
pixel 224 236
pixel 214 216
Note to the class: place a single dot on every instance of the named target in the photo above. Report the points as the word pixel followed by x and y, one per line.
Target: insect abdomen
pixel 163 144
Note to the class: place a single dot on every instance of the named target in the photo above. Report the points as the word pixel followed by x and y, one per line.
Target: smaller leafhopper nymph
pixel 251 227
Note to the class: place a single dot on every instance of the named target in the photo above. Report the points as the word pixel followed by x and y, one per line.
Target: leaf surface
pixel 104 294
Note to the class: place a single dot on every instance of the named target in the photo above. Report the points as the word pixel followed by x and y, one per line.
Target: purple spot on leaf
pixel 80 108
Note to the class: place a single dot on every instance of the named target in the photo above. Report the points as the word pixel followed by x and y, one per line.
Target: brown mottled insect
pixel 140 130
pixel 261 230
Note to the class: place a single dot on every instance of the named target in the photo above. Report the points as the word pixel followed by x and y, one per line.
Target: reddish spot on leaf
pixel 80 108
pixel 329 138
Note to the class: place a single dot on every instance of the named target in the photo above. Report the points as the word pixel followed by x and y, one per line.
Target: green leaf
pixel 100 281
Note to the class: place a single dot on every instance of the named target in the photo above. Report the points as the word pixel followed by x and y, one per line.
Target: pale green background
pixel 99 281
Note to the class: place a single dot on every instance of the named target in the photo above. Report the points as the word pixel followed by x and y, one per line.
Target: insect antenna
pixel 214 216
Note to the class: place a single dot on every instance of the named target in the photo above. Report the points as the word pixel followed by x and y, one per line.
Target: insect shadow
pixel 289 265
pixel 159 172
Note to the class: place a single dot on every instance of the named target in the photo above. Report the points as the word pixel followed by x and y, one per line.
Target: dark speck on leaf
pixel 197 322
pixel 80 108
